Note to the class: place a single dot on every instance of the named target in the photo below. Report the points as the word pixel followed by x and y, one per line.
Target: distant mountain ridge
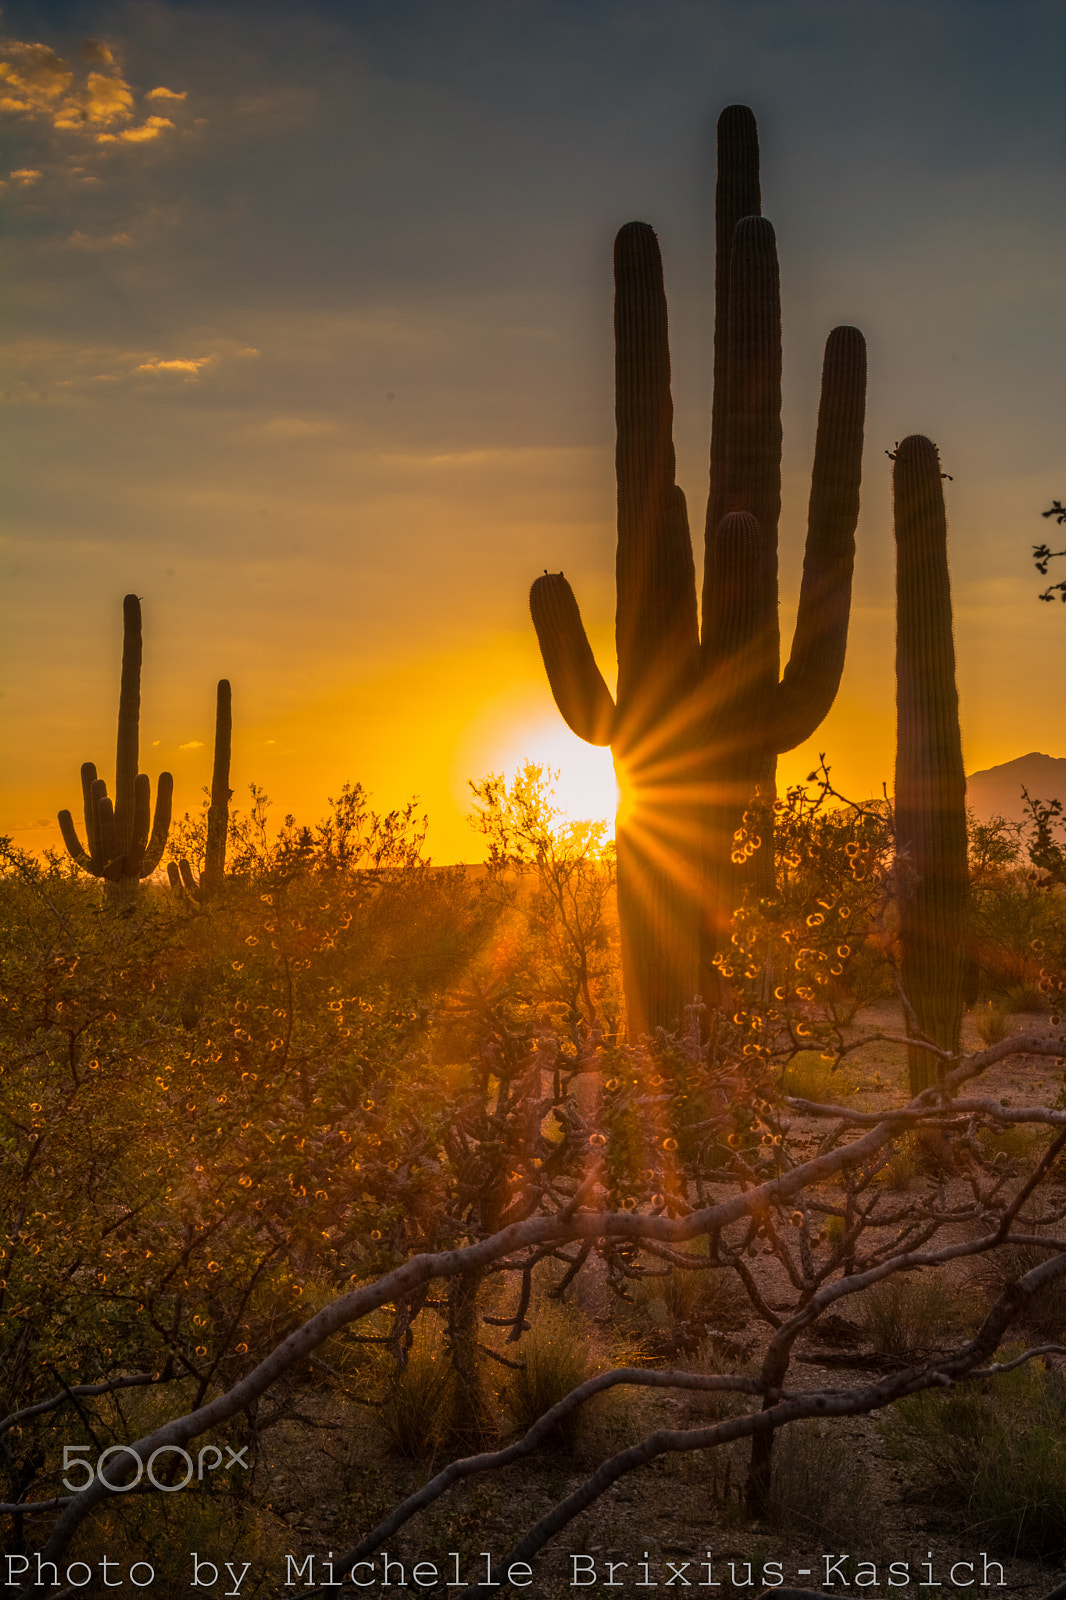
pixel 997 792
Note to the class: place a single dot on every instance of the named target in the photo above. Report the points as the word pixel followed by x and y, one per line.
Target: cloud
pixel 103 100
pixel 187 367
pixel 35 364
pixel 33 79
pixel 88 241
pixel 293 428
pixel 25 176
pixel 193 744
pixel 93 50
pixel 150 129
pixel 37 83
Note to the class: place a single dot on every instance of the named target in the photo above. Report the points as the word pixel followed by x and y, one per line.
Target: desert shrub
pixel 556 1358
pixel 1017 1143
pixel 809 1076
pixel 834 1228
pixel 690 1300
pixel 992 1021
pixel 903 1164
pixel 553 882
pixel 1016 922
pixel 1024 997
pixel 909 1313
pixel 817 1483
pixel 1045 1314
pixel 992 1457
pixel 221 1520
pixel 413 1410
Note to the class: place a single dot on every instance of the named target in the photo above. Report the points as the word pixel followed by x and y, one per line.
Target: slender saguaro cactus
pixel 698 722
pixel 182 875
pixel 930 800
pixel 221 793
pixel 124 843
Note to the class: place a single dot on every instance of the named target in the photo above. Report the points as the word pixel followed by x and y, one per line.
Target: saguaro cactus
pixel 182 876
pixel 698 723
pixel 930 801
pixel 124 843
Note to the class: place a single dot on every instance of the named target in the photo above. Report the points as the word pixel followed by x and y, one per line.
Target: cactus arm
pixel 737 194
pixel 88 779
pixel 218 811
pixel 656 623
pixel 129 711
pixel 73 843
pixel 164 799
pixel 930 788
pixel 186 879
pixel 174 876
pixel 110 863
pixel 103 826
pixel 142 822
pixel 576 681
pixel 816 661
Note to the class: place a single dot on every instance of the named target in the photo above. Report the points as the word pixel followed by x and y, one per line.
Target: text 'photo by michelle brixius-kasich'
pixel 533 860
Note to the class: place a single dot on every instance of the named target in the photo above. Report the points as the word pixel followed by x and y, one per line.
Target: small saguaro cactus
pixel 930 800
pixel 124 843
pixel 698 721
pixel 182 875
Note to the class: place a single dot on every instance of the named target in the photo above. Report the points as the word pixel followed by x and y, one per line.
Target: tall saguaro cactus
pixel 182 876
pixel 698 721
pixel 124 843
pixel 930 801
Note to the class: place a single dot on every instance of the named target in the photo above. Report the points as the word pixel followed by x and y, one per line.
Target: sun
pixel 585 788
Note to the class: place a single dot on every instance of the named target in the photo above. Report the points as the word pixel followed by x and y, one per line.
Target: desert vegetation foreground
pixel 347 1172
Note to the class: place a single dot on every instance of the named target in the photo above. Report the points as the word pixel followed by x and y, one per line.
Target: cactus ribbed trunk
pixel 930 798
pixel 123 844
pixel 218 811
pixel 699 722
pixel 182 877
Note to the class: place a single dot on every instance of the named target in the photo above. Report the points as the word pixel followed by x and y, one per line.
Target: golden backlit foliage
pixel 221 1124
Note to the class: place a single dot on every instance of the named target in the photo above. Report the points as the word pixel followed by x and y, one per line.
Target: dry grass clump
pixel 808 1076
pixel 912 1312
pixel 1017 1143
pixel 992 1020
pixel 691 1300
pixel 1044 1317
pixel 1024 998
pixel 413 1411
pixel 991 1455
pixel 556 1358
pixel 817 1483
pixel 903 1164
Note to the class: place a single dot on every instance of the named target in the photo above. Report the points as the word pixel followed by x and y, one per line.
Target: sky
pixel 307 342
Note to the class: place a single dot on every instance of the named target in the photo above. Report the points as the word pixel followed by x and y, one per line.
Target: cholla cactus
pixel 124 844
pixel 699 720
pixel 930 801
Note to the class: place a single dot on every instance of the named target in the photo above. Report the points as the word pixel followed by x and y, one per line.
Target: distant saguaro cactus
pixel 930 801
pixel 698 723
pixel 124 843
pixel 182 875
